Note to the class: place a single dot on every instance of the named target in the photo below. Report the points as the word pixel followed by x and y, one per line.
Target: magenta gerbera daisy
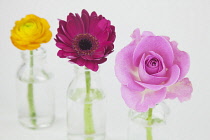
pixel 86 40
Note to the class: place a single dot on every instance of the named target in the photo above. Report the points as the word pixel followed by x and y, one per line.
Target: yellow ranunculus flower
pixel 30 32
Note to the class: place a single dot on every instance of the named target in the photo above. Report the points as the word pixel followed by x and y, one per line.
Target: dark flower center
pixel 85 44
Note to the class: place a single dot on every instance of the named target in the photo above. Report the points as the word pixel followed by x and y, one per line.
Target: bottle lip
pixel 40 52
pixel 83 68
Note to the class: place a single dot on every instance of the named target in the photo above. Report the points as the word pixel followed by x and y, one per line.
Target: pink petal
pixel 150 86
pixel 163 72
pixel 147 78
pixel 182 59
pixel 136 36
pixel 181 90
pixel 150 99
pixel 142 101
pixel 172 74
pixel 166 37
pixel 125 71
pixel 157 44
pixel 130 97
pixel 147 33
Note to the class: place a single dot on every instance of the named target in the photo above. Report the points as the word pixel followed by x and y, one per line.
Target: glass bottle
pixel 149 125
pixel 35 95
pixel 85 106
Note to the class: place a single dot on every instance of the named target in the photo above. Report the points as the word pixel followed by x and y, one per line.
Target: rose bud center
pixel 153 65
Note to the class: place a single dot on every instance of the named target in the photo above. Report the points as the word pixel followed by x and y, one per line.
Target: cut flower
pixel 85 40
pixel 30 32
pixel 151 68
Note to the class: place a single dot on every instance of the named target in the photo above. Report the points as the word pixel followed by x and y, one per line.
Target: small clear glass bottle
pixel 35 95
pixel 149 125
pixel 86 114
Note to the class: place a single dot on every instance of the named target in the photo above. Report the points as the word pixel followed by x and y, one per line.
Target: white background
pixel 186 21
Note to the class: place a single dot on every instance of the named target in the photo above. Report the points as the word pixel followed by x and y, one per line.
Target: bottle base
pixel 86 137
pixel 36 123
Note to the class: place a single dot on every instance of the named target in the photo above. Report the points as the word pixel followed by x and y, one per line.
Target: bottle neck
pixel 82 70
pixel 34 58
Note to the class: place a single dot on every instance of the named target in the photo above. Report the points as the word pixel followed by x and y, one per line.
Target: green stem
pixel 149 123
pixel 88 118
pixel 32 111
pixel 149 133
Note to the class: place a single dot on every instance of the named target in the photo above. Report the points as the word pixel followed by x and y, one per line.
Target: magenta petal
pixel 63 54
pixel 142 101
pixel 100 61
pixel 91 65
pixel 181 90
pixel 70 16
pixel 98 55
pixel 63 28
pixel 157 44
pixel 101 26
pixel 79 61
pixel 87 57
pixel 182 59
pixel 93 32
pixel 64 39
pixel 103 36
pixel 60 54
pixel 109 49
pixel 80 24
pixel 64 47
pixel 93 22
pixel 112 34
pixel 125 71
pixel 85 19
pixel 73 27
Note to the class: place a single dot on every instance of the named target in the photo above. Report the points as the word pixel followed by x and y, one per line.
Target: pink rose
pixel 151 68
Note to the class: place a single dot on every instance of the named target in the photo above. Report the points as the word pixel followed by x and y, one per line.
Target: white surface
pixel 186 21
